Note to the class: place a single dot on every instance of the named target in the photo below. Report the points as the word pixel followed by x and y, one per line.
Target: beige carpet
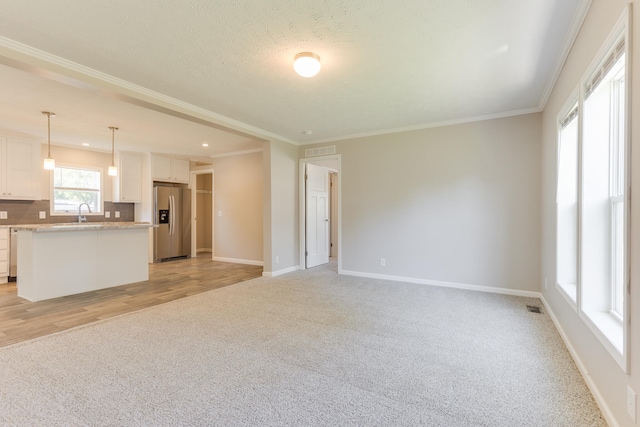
pixel 309 348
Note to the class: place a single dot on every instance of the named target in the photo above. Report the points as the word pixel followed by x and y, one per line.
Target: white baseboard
pixel 602 404
pixel 280 272
pixel 493 290
pixel 237 261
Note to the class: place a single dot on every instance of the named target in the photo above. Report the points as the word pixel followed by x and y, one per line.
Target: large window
pixel 567 204
pixel 593 197
pixel 73 186
pixel 604 195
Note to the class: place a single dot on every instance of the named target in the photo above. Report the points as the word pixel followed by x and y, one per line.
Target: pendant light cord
pixel 113 146
pixel 49 135
pixel 113 135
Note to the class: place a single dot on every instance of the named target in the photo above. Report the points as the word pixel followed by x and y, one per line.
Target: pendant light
pixel 307 64
pixel 49 163
pixel 113 170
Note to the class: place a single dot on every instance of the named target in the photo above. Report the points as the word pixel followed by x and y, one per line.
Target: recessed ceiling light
pixel 307 64
pixel 307 132
pixel 86 144
pixel 204 144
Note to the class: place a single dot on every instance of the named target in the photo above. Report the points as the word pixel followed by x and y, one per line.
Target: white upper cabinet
pixel 20 173
pixel 128 187
pixel 169 169
pixel 180 170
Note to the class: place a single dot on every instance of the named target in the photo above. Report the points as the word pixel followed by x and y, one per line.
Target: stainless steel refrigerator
pixel 172 215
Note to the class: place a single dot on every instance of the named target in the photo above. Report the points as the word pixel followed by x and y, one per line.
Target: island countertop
pixel 65 259
pixel 85 226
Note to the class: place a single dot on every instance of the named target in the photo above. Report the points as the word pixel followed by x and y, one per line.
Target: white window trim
pixel 612 334
pixel 85 212
pixel 568 290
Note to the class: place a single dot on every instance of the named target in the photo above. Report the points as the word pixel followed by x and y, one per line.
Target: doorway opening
pixel 320 213
pixel 202 238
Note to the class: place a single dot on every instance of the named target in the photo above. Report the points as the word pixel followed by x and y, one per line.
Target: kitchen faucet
pixel 80 217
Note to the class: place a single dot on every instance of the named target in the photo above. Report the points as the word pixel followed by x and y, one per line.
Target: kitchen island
pixel 64 259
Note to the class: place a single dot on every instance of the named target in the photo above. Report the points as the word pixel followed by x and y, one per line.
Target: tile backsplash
pixel 27 212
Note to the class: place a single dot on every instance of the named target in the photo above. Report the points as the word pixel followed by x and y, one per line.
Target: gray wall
pixel 238 187
pixel 280 207
pixel 456 204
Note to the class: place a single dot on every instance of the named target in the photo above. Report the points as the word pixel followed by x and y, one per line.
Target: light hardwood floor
pixel 21 320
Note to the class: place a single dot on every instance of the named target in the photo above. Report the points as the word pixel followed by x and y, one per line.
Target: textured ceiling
pixel 385 65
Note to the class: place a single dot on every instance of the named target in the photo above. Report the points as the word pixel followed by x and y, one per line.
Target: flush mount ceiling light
pixel 113 170
pixel 49 163
pixel 307 64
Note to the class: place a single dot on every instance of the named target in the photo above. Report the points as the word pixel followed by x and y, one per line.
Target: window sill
pixel 610 332
pixel 569 292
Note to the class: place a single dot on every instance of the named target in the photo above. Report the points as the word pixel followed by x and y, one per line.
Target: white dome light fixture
pixel 307 64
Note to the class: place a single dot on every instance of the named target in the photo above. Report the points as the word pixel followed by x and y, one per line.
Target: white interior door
pixel 317 215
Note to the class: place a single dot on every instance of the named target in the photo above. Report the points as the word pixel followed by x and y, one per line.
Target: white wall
pixel 456 204
pixel 602 373
pixel 238 187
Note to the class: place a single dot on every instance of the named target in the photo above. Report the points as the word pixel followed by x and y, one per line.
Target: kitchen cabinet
pixel 4 254
pixel 169 169
pixel 128 185
pixel 20 169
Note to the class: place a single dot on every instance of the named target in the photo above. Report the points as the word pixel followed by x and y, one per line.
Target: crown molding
pixel 44 64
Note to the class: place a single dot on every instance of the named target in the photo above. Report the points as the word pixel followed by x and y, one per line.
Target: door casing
pixel 337 158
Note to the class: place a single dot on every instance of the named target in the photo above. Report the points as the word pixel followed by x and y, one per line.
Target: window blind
pixel 573 113
pixel 604 68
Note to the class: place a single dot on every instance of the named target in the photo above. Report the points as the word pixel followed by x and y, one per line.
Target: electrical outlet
pixel 3 214
pixel 277 259
pixel 107 214
pixel 631 403
pixel 42 215
pixel 117 214
pixel 383 262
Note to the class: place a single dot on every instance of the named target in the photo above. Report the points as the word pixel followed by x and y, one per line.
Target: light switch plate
pixel 117 214
pixel 3 214
pixel 219 213
pixel 107 214
pixel 42 215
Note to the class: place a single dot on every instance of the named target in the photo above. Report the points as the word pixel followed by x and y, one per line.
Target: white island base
pixel 61 260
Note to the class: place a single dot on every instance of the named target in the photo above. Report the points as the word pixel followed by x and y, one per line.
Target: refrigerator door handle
pixel 172 215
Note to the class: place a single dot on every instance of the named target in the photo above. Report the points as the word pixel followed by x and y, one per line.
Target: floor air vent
pixel 534 309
